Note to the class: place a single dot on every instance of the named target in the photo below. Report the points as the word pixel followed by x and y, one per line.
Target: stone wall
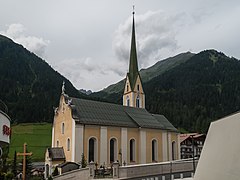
pixel 74 175
pixel 154 169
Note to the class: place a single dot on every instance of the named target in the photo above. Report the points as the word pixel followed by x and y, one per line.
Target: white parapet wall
pixel 152 169
pixel 79 174
pixel 220 158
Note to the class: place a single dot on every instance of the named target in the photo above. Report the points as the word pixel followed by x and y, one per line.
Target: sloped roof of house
pixel 56 153
pixel 107 114
pixel 183 137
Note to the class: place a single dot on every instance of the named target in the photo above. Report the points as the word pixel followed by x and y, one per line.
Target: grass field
pixel 37 136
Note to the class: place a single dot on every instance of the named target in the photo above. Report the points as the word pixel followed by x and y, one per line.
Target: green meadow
pixel 36 135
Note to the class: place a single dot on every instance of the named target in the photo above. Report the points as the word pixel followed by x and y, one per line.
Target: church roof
pixel 56 153
pixel 107 114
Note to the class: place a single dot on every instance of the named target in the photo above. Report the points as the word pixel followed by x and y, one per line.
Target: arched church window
pixel 132 150
pixel 127 88
pixel 173 150
pixel 138 102
pixel 68 144
pixel 57 143
pixel 62 128
pixel 113 150
pixel 154 150
pixel 138 87
pixel 128 101
pixel 92 150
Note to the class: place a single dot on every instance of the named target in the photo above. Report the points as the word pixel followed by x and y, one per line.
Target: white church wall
pixel 124 142
pixel 143 151
pixel 79 130
pixel 103 145
pixel 164 146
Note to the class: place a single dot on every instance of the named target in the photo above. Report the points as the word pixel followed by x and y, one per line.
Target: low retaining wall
pixel 74 175
pixel 133 171
pixel 152 169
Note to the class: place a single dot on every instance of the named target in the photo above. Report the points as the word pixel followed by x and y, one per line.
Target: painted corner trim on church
pixel 106 132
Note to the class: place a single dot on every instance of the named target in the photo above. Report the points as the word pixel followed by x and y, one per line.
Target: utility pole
pixel 24 154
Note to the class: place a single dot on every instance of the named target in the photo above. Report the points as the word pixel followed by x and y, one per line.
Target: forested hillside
pixel 191 90
pixel 28 85
pixel 194 93
pixel 113 93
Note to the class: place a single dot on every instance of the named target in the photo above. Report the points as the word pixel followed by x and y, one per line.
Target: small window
pixel 68 144
pixel 138 102
pixel 128 101
pixel 138 87
pixel 57 143
pixel 62 128
pixel 127 88
pixel 173 150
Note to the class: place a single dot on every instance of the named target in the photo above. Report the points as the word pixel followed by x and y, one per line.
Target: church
pixel 106 132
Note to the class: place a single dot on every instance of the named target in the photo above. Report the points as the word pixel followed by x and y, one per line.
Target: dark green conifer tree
pixel 83 161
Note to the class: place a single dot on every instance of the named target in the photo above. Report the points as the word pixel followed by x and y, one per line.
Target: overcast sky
pixel 89 41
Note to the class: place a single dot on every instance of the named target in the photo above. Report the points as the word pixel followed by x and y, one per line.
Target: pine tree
pixel 14 164
pixel 3 162
pixel 83 161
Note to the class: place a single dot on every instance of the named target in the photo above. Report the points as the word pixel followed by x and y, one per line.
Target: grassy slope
pixel 37 136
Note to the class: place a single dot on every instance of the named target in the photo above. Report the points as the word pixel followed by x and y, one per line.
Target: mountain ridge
pixel 191 90
pixel 115 90
pixel 29 86
pixel 192 94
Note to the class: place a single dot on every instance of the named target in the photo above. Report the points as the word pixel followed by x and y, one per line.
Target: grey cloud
pixel 80 68
pixel 32 43
pixel 154 31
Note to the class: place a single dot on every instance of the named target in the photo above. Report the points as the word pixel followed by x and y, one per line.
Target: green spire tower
pixel 133 92
pixel 133 65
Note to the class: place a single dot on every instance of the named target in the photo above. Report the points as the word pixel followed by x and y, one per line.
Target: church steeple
pixel 133 92
pixel 133 65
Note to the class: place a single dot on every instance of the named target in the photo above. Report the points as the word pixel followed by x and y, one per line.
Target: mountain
pixel 191 90
pixel 28 85
pixel 193 94
pixel 84 91
pixel 203 88
pixel 113 93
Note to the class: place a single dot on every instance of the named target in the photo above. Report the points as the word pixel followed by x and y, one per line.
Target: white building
pixel 4 127
pixel 220 158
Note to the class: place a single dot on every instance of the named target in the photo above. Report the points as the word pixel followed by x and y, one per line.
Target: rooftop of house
pixel 183 137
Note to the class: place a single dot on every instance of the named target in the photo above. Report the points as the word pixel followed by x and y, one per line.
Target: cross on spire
pixel 24 154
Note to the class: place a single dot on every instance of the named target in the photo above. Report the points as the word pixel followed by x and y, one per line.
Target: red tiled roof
pixel 183 137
